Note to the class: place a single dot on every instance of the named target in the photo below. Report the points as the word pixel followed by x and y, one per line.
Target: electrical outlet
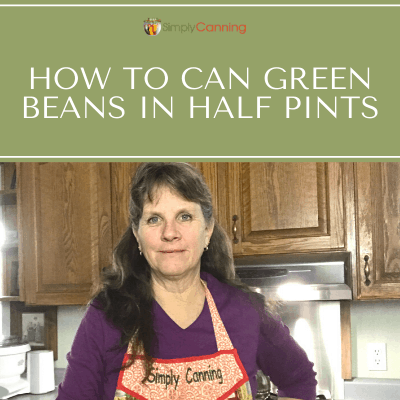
pixel 377 357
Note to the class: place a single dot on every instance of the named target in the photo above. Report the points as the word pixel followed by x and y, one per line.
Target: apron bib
pixel 217 376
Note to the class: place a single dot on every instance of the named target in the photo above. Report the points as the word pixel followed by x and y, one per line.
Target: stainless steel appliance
pixel 309 288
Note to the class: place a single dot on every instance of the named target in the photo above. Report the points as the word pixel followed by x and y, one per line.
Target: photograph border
pixel 50 320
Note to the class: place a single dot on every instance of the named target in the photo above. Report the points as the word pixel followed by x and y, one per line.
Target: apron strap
pixel 221 335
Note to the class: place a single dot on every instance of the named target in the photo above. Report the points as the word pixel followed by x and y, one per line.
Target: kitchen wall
pixel 68 320
pixel 5 318
pixel 375 322
pixel 371 321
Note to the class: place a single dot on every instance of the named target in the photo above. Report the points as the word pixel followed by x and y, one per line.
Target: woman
pixel 170 321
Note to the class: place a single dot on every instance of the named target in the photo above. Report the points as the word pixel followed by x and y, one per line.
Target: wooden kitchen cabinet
pixel 65 214
pixel 283 207
pixel 73 215
pixel 9 241
pixel 377 273
pixel 121 176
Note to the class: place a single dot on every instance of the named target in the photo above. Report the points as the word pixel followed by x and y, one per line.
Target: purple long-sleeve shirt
pixel 262 343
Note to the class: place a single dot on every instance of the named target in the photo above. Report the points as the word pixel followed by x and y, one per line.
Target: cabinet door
pixel 65 218
pixel 378 201
pixel 210 173
pixel 282 207
pixel 121 176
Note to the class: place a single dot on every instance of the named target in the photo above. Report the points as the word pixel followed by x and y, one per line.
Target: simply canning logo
pixel 204 27
pixel 152 26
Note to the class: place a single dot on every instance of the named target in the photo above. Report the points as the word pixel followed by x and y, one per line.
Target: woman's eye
pixel 186 217
pixel 153 220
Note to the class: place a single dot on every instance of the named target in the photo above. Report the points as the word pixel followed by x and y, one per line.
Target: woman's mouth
pixel 171 251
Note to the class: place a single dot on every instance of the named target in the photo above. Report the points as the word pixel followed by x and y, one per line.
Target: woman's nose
pixel 170 231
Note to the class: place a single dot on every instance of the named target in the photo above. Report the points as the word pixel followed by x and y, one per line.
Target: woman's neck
pixel 181 300
pixel 184 290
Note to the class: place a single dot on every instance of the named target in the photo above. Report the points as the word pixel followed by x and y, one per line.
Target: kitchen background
pixel 337 217
pixel 371 322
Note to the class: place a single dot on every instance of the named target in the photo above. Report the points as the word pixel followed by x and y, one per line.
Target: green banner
pixel 239 82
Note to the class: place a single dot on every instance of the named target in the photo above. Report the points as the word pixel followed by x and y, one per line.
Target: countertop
pixel 58 377
pixel 372 389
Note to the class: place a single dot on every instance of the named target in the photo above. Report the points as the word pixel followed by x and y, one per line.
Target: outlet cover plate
pixel 377 357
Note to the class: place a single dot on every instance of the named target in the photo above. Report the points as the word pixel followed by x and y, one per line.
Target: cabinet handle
pixel 234 229
pixel 367 271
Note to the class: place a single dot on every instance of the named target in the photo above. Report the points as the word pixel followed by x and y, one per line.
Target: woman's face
pixel 172 234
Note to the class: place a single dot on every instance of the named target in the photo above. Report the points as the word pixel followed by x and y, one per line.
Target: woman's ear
pixel 135 233
pixel 209 231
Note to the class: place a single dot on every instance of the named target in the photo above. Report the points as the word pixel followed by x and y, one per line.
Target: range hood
pixel 298 277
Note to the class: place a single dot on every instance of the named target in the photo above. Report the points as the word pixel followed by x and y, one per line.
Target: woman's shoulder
pixel 96 322
pixel 94 313
pixel 241 304
pixel 228 296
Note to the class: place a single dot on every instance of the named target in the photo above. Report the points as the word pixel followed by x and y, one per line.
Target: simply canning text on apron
pixel 215 376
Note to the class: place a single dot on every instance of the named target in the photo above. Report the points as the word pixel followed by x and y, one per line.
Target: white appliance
pixel 40 368
pixel 41 371
pixel 12 365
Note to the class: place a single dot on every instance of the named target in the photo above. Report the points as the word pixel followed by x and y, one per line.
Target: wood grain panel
pixel 390 178
pixel 378 211
pixel 28 240
pixel 283 199
pixel 101 222
pixel 66 214
pixel 7 175
pixel 229 201
pixel 337 175
pixel 351 243
pixel 345 306
pixel 210 174
pixel 121 176
pixel 281 195
pixel 64 200
pixel 8 219
pixel 20 224
pixel 283 207
pixel 345 328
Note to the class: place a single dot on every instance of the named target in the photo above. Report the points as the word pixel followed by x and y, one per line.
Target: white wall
pixel 375 322
pixel 68 320
pixel 5 318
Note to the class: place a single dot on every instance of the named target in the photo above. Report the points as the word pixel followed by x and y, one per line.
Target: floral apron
pixel 217 376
